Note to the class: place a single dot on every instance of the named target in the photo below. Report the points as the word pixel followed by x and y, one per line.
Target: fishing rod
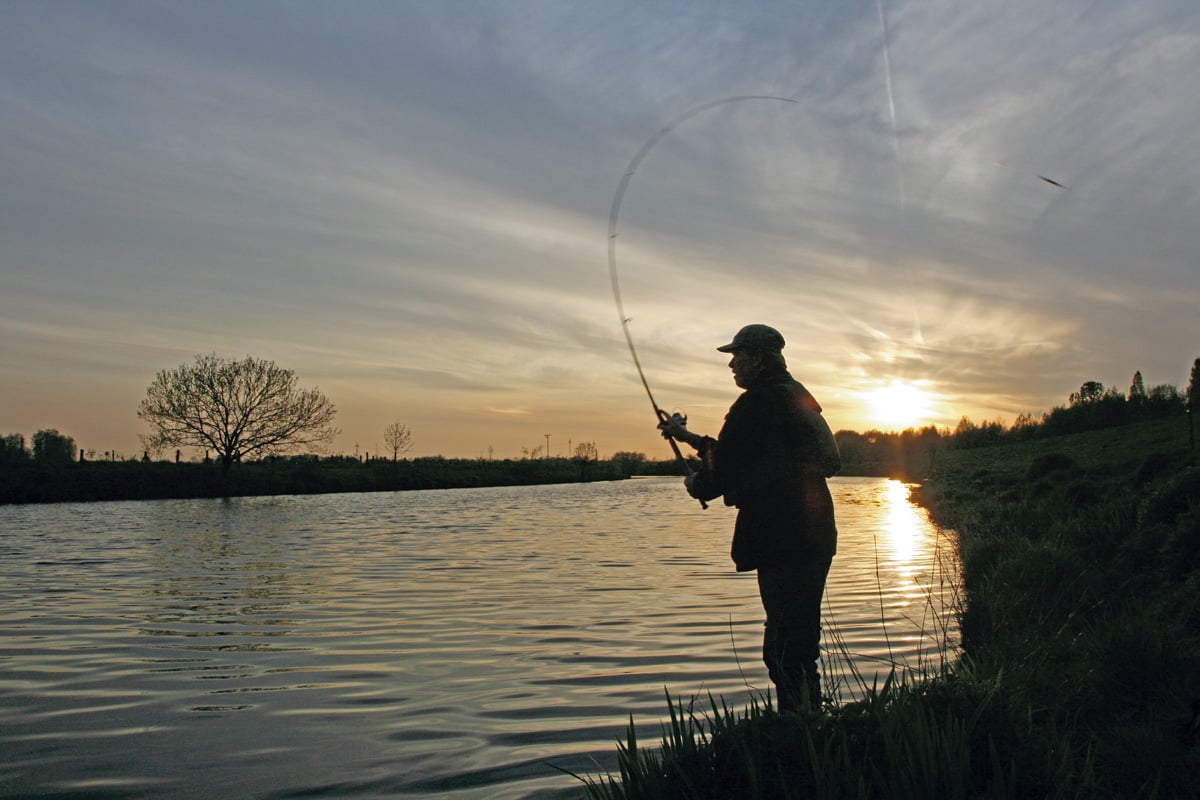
pixel 614 214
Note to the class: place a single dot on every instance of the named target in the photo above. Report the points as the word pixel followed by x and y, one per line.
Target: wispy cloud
pixel 407 203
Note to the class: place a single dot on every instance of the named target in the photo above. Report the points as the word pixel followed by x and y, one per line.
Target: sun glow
pixel 900 404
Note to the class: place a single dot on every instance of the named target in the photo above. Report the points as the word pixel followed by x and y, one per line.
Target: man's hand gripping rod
pixel 663 416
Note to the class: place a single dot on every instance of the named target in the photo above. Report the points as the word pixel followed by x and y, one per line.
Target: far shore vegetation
pixel 53 468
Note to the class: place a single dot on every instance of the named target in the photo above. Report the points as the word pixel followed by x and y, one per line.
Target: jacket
pixel 771 460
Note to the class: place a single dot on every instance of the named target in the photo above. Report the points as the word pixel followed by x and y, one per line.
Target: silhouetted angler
pixel 771 460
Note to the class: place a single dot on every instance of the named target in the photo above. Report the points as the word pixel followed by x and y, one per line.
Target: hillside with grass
pixel 1081 576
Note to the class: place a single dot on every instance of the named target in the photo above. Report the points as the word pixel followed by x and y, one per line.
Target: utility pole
pixel 547 445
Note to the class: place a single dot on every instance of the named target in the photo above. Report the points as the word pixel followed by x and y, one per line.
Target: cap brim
pixel 729 348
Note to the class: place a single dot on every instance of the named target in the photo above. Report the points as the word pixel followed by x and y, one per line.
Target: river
pixel 473 643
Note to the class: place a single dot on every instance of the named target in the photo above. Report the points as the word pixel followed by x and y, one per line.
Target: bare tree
pixel 587 451
pixel 238 408
pixel 398 437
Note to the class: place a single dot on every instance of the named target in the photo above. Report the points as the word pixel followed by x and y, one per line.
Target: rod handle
pixel 663 416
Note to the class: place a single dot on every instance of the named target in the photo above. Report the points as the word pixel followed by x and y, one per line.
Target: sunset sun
pixel 899 405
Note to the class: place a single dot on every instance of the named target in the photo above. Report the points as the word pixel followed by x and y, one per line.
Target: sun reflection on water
pixel 892 592
pixel 903 524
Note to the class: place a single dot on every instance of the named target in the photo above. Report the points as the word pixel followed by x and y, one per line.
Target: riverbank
pixel 1079 672
pixel 1081 575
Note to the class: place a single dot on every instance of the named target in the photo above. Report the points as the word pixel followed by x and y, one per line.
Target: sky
pixel 409 205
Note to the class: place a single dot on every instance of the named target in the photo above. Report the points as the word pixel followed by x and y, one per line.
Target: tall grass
pixel 945 737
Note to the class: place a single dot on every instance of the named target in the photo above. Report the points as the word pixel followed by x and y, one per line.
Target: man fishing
pixel 771 460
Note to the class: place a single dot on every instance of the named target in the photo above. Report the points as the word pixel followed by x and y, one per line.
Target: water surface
pixel 462 643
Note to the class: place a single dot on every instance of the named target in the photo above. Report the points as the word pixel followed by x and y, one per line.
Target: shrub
pixel 1175 496
pixel 1050 462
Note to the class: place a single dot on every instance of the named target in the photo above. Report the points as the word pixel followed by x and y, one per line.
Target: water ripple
pixel 468 644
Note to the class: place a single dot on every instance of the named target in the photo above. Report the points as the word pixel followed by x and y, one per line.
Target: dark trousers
pixel 791 596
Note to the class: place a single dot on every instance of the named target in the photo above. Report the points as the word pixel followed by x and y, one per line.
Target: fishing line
pixel 886 47
pixel 613 217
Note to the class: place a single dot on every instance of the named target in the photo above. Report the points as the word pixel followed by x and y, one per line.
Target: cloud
pixel 408 203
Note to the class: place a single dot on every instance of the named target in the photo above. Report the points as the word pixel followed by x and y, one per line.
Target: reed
pixel 908 738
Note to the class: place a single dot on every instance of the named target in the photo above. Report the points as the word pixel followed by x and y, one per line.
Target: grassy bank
pixel 1081 570
pixel 1080 669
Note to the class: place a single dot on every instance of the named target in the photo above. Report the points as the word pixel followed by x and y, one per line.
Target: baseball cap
pixel 759 338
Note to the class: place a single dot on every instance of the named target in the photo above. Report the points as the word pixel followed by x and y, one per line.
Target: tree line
pixel 48 446
pixel 251 409
pixel 238 410
pixel 912 453
pixel 252 413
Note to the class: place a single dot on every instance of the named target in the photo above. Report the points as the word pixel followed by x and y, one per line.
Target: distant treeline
pixel 50 472
pixel 913 453
pixel 33 481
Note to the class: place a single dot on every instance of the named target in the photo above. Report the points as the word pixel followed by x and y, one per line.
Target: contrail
pixel 887 82
pixel 918 334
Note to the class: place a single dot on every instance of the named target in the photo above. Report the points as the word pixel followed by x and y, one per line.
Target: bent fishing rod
pixel 614 214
